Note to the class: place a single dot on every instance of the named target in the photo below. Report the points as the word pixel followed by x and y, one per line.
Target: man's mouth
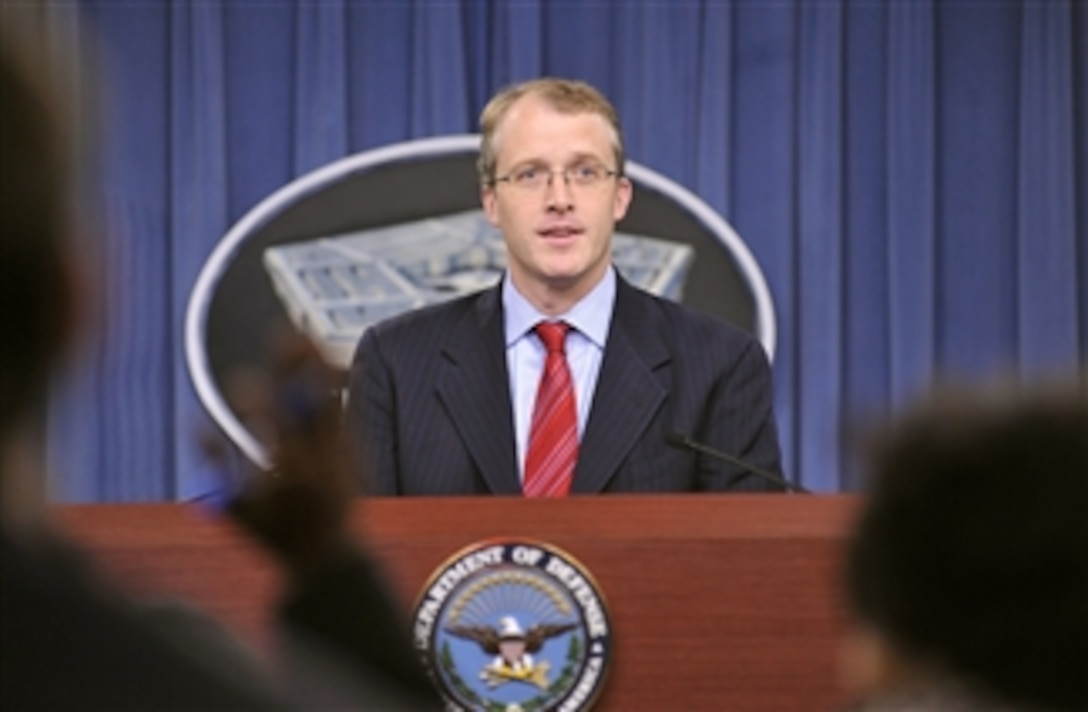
pixel 560 231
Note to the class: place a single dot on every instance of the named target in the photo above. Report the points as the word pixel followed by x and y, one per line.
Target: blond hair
pixel 567 96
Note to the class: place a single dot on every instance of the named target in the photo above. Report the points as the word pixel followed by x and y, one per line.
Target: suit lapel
pixel 628 393
pixel 474 386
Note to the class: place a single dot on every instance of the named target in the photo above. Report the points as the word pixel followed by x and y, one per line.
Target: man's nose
pixel 558 191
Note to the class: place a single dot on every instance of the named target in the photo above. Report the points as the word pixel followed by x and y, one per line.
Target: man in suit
pixel 445 400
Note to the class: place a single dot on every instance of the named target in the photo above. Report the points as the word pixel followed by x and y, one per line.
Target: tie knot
pixel 553 334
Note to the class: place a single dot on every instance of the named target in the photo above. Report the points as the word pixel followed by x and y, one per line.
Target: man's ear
pixel 489 201
pixel 81 305
pixel 625 193
pixel 869 665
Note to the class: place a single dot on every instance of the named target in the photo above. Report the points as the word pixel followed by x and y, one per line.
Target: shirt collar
pixel 590 316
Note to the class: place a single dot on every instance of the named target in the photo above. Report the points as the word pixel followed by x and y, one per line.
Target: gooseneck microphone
pixel 684 442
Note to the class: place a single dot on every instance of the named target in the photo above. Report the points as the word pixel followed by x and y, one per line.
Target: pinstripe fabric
pixel 429 402
pixel 553 435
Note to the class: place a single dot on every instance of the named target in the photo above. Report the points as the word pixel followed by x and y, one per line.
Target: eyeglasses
pixel 533 178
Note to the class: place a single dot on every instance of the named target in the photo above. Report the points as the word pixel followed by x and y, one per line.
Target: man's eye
pixel 585 173
pixel 527 175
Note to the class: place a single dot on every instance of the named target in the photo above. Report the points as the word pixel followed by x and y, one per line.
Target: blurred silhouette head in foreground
pixel 41 293
pixel 967 572
pixel 76 643
pixel 35 284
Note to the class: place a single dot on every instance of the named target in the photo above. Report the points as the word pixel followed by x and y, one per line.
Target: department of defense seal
pixel 514 626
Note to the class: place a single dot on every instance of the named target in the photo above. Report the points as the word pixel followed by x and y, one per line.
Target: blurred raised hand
pixel 298 510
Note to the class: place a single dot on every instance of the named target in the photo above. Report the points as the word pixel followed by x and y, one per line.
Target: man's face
pixel 559 236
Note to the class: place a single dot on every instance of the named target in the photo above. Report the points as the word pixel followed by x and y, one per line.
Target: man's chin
pixel 560 281
pixel 566 275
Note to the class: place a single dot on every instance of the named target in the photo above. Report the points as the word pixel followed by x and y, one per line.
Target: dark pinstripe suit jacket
pixel 429 402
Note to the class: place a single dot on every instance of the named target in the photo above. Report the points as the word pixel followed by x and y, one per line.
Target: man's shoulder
pixel 427 322
pixel 682 321
pixel 52 597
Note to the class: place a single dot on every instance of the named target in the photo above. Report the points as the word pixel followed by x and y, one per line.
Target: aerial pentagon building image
pixel 334 287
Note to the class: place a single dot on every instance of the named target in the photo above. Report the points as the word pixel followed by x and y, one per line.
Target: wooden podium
pixel 725 602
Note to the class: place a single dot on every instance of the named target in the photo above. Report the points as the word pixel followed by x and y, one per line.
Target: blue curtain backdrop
pixel 912 177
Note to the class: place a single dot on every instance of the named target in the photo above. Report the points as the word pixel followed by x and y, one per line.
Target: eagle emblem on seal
pixel 513 649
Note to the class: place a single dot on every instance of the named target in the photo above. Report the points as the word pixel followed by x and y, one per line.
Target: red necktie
pixel 553 437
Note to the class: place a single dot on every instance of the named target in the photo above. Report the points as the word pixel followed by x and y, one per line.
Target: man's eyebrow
pixel 530 162
pixel 584 156
pixel 578 157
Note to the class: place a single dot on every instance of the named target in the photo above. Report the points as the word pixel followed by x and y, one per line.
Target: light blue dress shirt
pixel 589 319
